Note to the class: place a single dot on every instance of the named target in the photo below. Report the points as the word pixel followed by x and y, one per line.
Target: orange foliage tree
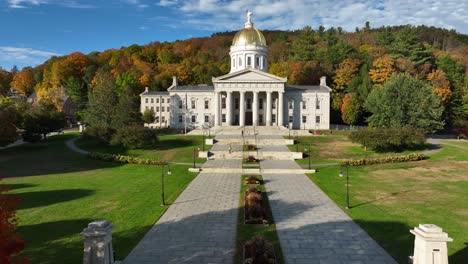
pixel 345 73
pixel 440 85
pixel 23 82
pixel 383 69
pixel 11 244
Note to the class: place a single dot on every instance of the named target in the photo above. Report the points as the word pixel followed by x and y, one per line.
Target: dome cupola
pixel 249 49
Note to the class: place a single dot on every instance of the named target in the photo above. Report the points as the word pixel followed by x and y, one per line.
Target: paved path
pixel 311 227
pixel 199 227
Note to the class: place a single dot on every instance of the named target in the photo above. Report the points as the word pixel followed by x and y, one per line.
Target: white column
pixel 242 109
pixel 216 109
pixel 228 108
pixel 280 109
pixel 255 109
pixel 268 109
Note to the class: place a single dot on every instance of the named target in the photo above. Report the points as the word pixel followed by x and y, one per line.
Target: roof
pixel 154 93
pixel 193 88
pixel 248 36
pixel 307 88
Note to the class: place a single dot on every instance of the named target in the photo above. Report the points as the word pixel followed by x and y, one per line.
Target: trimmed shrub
pixel 98 132
pixel 389 139
pixel 123 159
pixel 259 251
pixel 389 159
pixel 134 137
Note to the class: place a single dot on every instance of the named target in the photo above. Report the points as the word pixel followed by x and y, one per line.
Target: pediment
pixel 249 75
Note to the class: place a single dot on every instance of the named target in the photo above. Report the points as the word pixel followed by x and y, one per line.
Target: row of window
pixel 260 119
pixel 148 100
pixel 249 104
pixel 258 60
pixel 157 108
pixel 304 105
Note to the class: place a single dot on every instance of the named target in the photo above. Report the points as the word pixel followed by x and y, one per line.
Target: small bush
pixel 390 159
pixel 102 133
pixel 259 251
pixel 123 159
pixel 134 137
pixel 251 159
pixel 389 139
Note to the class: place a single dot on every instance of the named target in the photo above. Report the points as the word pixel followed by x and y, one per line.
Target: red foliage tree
pixel 11 244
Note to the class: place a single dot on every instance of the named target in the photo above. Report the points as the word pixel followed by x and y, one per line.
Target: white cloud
pixel 216 15
pixel 24 56
pixel 30 3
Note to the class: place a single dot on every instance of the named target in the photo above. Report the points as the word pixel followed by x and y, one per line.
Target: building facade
pixel 247 96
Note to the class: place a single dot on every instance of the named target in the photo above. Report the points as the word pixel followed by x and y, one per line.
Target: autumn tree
pixel 23 82
pixel 345 73
pixel 350 109
pixel 440 85
pixel 383 69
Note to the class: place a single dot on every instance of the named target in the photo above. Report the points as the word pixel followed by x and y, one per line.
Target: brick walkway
pixel 311 227
pixel 199 227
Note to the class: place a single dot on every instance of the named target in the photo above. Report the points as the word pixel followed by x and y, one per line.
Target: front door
pixel 248 118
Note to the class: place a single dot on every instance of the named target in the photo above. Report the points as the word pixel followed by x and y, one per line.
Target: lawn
pixel 332 149
pixel 245 231
pixel 173 148
pixel 62 192
pixel 388 200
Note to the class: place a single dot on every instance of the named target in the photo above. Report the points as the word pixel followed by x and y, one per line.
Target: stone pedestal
pixel 430 245
pixel 98 243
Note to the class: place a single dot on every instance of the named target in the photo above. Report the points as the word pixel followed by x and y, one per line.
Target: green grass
pixel 61 192
pixel 388 200
pixel 246 232
pixel 173 148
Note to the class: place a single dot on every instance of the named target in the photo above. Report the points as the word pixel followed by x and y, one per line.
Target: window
pixel 290 104
pixel 162 108
pixel 207 104
pixel 249 61
pixel 249 104
pixel 273 118
pixel 194 118
pixel 274 105
pixel 152 108
pixel 304 105
pixel 317 104
pixel 180 118
pixel 152 100
pixel 168 100
pixel 317 119
pixel 167 109
pixel 180 104
pixel 263 62
pixel 236 103
pixel 157 108
pixel 223 103
pixel 258 61
pixel 260 119
pixel 193 104
pixel 233 63
pixel 163 119
pixel 157 100
pixel 156 120
pixel 290 119
pixel 207 118
pixel 240 62
pixel 162 100
pixel 223 118
pixel 146 107
pixel 146 100
pixel 260 102
pixel 304 119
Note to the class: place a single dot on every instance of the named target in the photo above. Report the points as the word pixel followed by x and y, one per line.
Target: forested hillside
pixel 354 62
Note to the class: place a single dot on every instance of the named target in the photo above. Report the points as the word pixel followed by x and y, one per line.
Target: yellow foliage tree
pixel 345 73
pixel 23 82
pixel 440 85
pixel 383 69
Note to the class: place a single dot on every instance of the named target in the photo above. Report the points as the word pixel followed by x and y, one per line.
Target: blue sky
pixel 34 30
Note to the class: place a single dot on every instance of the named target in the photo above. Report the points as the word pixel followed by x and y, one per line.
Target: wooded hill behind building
pixel 355 62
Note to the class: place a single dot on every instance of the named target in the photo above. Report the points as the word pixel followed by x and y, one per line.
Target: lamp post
pixel 347 184
pixel 194 153
pixel 309 155
pixel 163 203
pixel 289 130
pixel 204 132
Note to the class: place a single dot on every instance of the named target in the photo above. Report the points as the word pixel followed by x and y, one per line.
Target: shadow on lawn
pixel 44 198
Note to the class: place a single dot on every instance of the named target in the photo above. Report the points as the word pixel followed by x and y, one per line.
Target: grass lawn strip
pixel 245 231
pixel 63 191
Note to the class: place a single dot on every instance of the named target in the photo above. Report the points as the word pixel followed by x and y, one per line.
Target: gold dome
pixel 249 35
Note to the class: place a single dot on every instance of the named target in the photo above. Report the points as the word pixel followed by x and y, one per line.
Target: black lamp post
pixel 163 203
pixel 309 155
pixel 347 184
pixel 194 155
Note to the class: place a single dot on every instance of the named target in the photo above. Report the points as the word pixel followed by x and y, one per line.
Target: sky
pixel 34 30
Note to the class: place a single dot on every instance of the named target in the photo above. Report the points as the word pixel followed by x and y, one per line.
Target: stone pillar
pixel 430 245
pixel 268 109
pixel 228 108
pixel 216 110
pixel 255 109
pixel 280 109
pixel 242 109
pixel 98 243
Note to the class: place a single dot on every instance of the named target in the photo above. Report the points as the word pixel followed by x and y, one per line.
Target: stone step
pixel 250 140
pixel 263 155
pixel 255 171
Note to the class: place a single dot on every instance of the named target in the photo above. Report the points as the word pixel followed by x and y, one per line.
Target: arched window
pixel 249 61
pixel 257 62
pixel 240 62
pixel 233 63
pixel 263 62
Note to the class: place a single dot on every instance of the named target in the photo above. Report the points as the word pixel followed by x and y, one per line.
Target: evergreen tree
pixel 406 44
pixel 78 91
pixel 303 48
pixel 8 122
pixel 127 110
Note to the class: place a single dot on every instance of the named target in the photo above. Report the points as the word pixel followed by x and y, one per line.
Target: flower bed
pixel 123 159
pixel 259 251
pixel 254 209
pixel 389 159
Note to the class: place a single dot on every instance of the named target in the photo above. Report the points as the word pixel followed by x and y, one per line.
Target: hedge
pixel 123 159
pixel 389 159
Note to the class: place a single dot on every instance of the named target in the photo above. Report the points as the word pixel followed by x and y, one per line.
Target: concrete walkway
pixel 199 227
pixel 311 227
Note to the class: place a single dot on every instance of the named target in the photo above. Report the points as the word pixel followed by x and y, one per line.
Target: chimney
pixel 146 89
pixel 323 81
pixel 174 81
